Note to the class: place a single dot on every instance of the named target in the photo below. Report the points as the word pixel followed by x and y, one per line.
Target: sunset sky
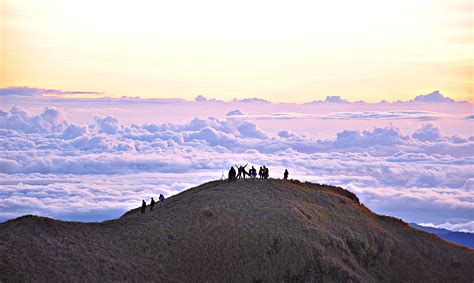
pixel 69 151
pixel 292 51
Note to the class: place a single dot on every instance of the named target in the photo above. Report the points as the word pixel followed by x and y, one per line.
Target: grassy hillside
pixel 251 230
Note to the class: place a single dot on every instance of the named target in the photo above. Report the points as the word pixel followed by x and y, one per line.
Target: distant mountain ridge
pixel 246 231
pixel 460 238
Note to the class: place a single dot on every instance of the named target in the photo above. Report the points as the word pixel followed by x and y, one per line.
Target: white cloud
pixel 111 166
pixel 49 121
pixel 461 227
pixel 428 132
pixel 108 125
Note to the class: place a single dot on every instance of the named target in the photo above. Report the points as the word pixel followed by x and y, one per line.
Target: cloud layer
pixel 34 91
pixel 94 171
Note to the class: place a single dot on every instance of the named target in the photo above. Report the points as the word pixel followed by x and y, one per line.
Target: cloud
pixel 334 99
pixel 200 98
pixel 388 136
pixel 250 130
pixel 460 227
pixel 428 132
pixel 108 125
pixel 470 117
pixel 434 97
pixel 73 131
pixel 285 134
pixel 49 121
pixel 360 115
pixel 251 100
pixel 235 112
pixel 33 91
pixel 48 162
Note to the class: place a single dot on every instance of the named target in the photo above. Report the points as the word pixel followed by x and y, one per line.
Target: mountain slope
pixel 460 238
pixel 250 230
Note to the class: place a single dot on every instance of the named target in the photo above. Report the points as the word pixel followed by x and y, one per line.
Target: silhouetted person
pixel 285 175
pixel 152 204
pixel 143 206
pixel 265 172
pixel 241 171
pixel 253 172
pixel 162 199
pixel 260 172
pixel 232 175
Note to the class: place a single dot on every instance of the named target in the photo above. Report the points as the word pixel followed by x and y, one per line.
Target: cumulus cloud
pixel 108 165
pixel 108 125
pixel 388 136
pixel 200 98
pixel 428 132
pixel 434 97
pixel 285 134
pixel 250 130
pixel 49 121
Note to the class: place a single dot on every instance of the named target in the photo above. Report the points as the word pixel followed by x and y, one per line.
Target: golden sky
pixel 292 51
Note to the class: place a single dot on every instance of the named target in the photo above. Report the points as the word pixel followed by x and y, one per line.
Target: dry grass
pixel 250 230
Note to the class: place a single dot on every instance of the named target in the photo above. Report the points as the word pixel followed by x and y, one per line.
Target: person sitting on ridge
pixel 162 199
pixel 253 172
pixel 152 204
pixel 143 206
pixel 232 175
pixel 285 175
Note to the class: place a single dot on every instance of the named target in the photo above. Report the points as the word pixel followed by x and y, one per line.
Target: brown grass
pixel 251 230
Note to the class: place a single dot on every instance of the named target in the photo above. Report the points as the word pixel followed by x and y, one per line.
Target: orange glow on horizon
pixel 282 51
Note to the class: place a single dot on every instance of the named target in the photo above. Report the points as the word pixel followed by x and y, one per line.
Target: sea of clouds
pixel 100 169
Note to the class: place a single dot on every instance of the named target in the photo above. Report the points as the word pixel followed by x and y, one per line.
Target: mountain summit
pixel 250 230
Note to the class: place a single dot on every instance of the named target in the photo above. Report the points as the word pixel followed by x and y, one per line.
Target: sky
pixel 106 103
pixel 283 51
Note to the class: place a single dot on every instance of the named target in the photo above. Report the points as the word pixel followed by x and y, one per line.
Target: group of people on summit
pixel 161 200
pixel 240 173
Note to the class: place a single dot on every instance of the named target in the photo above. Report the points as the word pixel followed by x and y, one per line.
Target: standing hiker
pixel 232 175
pixel 143 206
pixel 285 175
pixel 152 204
pixel 241 171
pixel 162 199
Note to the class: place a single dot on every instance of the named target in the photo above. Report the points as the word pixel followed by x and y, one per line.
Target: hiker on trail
pixel 232 175
pixel 260 172
pixel 162 199
pixel 143 206
pixel 152 204
pixel 285 175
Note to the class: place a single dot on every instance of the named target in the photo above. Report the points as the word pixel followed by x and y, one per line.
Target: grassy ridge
pixel 250 230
